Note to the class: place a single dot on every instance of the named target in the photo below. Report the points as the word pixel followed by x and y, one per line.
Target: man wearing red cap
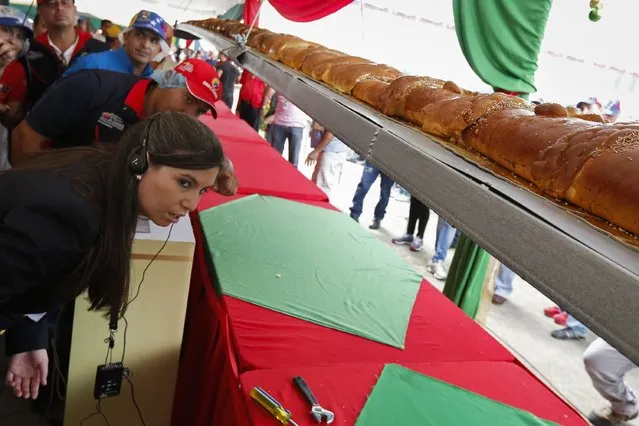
pixel 97 106
pixel 48 56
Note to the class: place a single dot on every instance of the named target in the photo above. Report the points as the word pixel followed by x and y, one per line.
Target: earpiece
pixel 138 163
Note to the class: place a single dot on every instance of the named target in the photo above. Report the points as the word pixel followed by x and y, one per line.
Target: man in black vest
pixel 48 57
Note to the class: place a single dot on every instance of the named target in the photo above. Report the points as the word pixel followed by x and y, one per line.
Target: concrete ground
pixel 519 323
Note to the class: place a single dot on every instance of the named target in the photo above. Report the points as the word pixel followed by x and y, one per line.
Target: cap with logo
pixel 151 21
pixel 12 17
pixel 201 81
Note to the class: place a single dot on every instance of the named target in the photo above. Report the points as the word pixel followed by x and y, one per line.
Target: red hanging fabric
pixel 306 10
pixel 250 10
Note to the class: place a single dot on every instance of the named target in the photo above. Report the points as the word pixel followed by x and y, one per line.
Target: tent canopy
pixel 31 12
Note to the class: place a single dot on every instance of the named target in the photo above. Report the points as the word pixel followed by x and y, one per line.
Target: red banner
pixel 296 10
pixel 250 10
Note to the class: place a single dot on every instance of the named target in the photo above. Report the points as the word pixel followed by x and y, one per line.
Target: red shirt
pixel 252 89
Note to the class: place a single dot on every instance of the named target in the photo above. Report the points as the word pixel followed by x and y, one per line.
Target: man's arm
pixel 327 137
pixel 268 95
pixel 25 142
pixel 65 106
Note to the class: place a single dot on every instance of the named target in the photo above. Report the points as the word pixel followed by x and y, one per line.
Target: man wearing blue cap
pixel 144 42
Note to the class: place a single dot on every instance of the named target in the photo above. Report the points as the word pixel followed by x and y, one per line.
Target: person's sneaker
pixel 551 311
pixel 376 224
pixel 561 318
pixel 404 239
pixel 430 268
pixel 417 244
pixel 440 272
pixel 356 219
pixel 567 333
pixel 606 417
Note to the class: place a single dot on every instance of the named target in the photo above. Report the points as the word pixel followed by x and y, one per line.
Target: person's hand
pixel 226 182
pixel 4 108
pixel 268 120
pixel 312 157
pixel 27 371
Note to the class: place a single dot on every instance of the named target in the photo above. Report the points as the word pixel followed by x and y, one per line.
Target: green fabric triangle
pixel 311 263
pixel 407 398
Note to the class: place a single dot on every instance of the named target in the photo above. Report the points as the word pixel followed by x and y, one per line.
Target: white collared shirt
pixel 67 54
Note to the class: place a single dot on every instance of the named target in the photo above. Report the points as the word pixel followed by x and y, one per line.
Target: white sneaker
pixel 417 244
pixel 430 268
pixel 403 239
pixel 440 272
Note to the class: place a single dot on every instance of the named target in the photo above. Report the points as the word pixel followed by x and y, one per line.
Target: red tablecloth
pixel 260 169
pixel 344 389
pixel 230 129
pixel 437 331
pixel 212 199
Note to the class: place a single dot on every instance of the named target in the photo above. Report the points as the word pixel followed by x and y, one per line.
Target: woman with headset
pixel 68 219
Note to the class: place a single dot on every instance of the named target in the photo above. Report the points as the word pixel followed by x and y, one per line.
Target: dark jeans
pixel 418 212
pixel 249 114
pixel 278 136
pixel 368 178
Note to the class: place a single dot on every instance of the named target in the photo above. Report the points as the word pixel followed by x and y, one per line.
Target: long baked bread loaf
pixel 270 40
pixel 320 71
pixel 516 138
pixel 316 59
pixel 368 91
pixel 561 161
pixel 419 97
pixel 289 53
pixel 608 183
pixel 393 99
pixel 344 77
pixel 281 44
pixel 255 38
pixel 568 155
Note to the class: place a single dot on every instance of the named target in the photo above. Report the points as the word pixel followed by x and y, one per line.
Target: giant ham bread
pixel 567 155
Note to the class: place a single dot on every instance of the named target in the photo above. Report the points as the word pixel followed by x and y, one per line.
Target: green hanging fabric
pixel 464 283
pixel 501 39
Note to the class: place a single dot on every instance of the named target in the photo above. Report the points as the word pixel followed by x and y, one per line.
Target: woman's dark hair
pixel 104 177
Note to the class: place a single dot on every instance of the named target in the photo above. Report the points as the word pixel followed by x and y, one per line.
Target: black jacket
pixel 43 66
pixel 46 229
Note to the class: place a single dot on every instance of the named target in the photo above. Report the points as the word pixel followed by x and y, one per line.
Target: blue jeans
pixel 504 281
pixel 278 136
pixel 368 178
pixel 445 236
pixel 577 327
